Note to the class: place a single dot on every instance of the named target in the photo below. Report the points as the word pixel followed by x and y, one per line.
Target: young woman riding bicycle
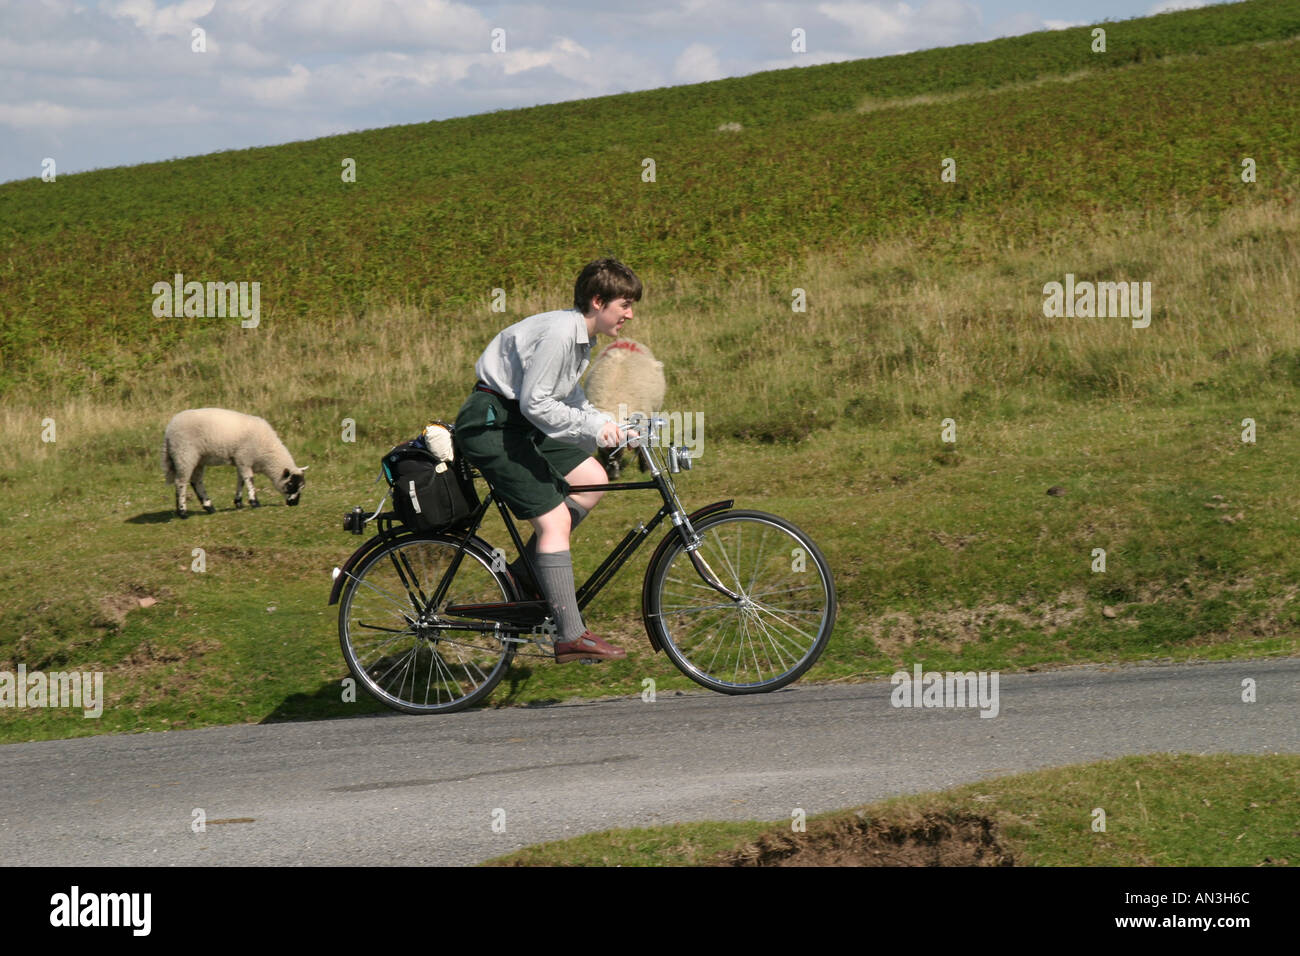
pixel 528 427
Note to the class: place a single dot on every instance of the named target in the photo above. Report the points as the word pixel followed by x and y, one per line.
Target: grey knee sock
pixel 555 569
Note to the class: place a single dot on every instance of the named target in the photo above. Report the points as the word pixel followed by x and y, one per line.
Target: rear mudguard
pixel 659 553
pixel 382 539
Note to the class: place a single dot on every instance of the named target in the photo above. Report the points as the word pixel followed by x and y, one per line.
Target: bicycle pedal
pixel 544 635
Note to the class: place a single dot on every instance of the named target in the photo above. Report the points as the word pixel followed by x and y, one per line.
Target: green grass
pixel 924 303
pixel 925 568
pixel 1159 810
pixel 441 213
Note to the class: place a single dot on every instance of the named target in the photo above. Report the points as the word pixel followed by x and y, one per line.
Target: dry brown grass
pixel 892 320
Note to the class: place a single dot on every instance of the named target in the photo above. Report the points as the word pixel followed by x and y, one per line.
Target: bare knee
pixel 552 530
pixel 590 472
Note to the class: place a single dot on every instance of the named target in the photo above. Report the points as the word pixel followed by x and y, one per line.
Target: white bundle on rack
pixel 438 437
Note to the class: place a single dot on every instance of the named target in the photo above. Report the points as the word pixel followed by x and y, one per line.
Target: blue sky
pixel 96 84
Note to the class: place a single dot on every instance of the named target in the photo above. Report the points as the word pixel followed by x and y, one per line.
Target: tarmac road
pixel 395 789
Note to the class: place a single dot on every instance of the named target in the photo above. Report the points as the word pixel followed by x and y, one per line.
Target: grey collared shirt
pixel 538 361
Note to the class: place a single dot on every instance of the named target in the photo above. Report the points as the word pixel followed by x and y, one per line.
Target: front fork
pixel 692 541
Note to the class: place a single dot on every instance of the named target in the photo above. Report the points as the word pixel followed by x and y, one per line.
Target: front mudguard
pixel 704 512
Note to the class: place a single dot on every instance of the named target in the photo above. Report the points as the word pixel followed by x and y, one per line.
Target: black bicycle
pixel 741 601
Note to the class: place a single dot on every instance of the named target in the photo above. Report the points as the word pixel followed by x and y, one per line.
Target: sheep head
pixel 290 483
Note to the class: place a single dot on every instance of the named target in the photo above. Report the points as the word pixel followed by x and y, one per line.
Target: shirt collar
pixel 582 328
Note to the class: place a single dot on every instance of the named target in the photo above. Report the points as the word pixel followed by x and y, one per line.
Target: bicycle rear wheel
pixel 400 649
pixel 768 638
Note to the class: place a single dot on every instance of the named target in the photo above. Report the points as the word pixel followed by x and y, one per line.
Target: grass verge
pixel 1158 810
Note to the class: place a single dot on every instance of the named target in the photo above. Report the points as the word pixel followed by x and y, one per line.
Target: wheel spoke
pixel 697 584
pixel 756 644
pixel 792 589
pixel 782 661
pixel 722 548
pixel 489 646
pixel 463 664
pixel 447 680
pixel 393 599
pixel 791 624
pixel 758 563
pixel 404 661
pixel 380 645
pixel 717 646
pixel 700 607
pixel 776 637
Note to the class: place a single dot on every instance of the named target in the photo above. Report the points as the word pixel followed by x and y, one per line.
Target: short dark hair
pixel 607 278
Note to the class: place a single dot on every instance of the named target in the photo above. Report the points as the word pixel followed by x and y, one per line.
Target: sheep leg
pixel 196 482
pixel 180 498
pixel 246 481
pixel 610 460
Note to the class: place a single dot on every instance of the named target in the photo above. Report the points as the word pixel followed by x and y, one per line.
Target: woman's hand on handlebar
pixel 609 436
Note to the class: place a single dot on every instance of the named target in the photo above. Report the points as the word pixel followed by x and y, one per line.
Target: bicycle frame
pixel 524 617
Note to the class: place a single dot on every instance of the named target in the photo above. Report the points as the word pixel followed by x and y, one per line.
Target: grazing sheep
pixel 624 378
pixel 216 436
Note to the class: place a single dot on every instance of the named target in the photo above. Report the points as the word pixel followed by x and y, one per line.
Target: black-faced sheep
pixel 624 378
pixel 200 437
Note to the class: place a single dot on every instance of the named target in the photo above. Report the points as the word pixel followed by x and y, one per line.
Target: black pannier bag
pixel 424 497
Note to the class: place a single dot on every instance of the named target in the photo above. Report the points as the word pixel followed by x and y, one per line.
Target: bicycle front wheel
pixel 768 638
pixel 397 644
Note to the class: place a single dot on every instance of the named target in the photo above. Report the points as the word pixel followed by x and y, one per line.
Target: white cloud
pixel 42 115
pixel 870 23
pixel 879 27
pixel 561 55
pixel 1169 6
pixel 175 20
pixel 113 81
pixel 340 26
pixel 284 88
pixel 697 64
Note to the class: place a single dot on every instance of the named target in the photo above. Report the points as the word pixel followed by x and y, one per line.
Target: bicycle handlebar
pixel 646 427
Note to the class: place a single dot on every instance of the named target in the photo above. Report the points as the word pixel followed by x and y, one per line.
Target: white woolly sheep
pixel 625 378
pixel 200 437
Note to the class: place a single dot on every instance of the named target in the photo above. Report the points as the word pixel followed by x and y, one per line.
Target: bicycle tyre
pixel 398 650
pixel 738 648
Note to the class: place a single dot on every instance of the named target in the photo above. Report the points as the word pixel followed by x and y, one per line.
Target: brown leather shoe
pixel 588 647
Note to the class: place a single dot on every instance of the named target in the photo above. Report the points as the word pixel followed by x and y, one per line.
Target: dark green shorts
pixel 526 468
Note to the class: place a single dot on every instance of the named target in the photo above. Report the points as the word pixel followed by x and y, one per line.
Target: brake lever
pixel 632 439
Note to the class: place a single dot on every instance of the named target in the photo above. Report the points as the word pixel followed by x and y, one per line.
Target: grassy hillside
pixel 441 213
pixel 924 302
